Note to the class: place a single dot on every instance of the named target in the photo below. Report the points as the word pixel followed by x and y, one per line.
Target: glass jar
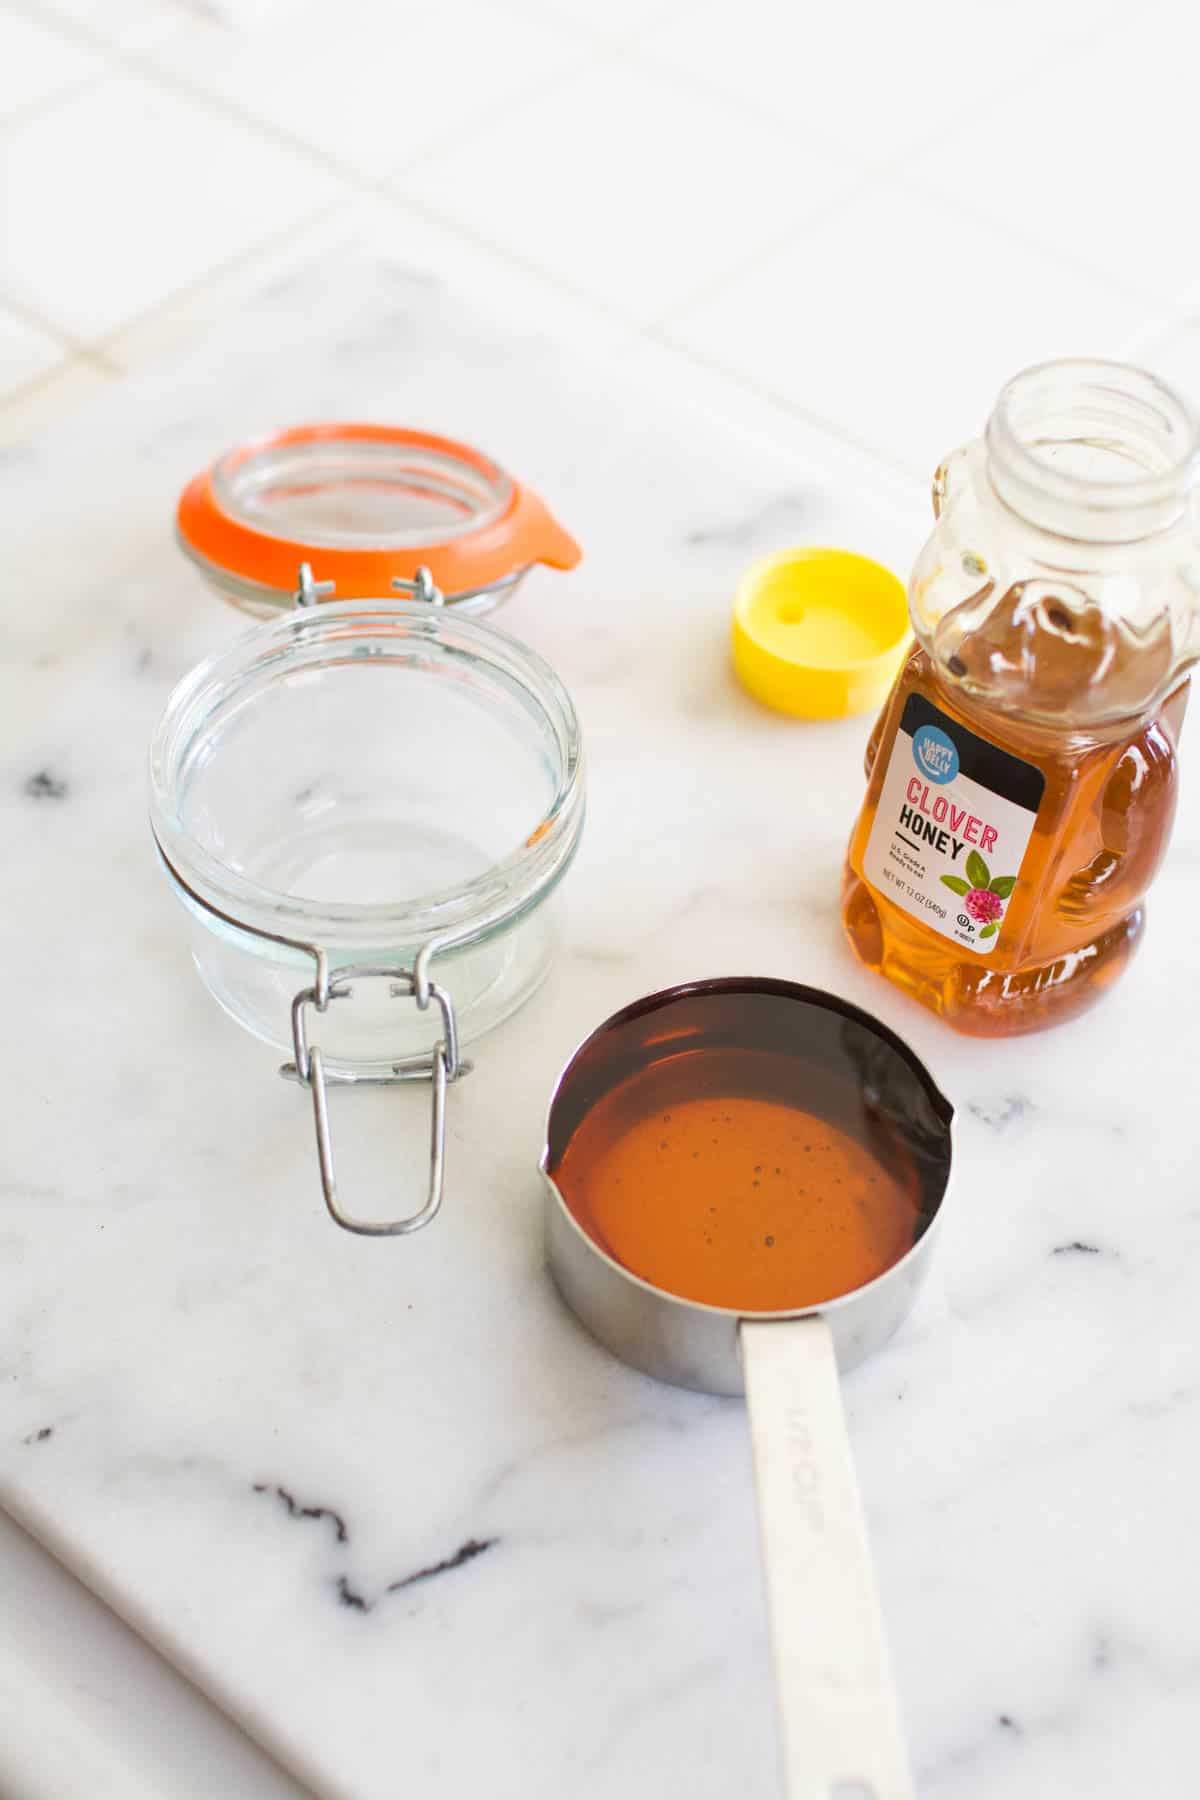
pixel 1022 776
pixel 367 805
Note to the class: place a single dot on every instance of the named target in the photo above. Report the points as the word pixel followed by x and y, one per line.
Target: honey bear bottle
pixel 1022 776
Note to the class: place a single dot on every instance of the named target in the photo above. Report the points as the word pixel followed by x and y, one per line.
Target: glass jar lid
pixel 364 506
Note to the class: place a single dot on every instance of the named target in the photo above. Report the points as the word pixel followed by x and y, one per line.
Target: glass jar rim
pixel 466 912
pixel 464 490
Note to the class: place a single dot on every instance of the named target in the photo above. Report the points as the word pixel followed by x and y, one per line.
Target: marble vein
pixel 295 1510
pixel 358 1602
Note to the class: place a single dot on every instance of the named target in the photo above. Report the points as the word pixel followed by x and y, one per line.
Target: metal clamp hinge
pixel 423 587
pixel 308 591
pixel 443 1066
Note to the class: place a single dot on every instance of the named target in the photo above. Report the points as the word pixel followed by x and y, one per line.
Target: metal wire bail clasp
pixel 443 1066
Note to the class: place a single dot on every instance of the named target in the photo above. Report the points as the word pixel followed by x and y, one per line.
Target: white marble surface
pixel 88 1710
pixel 249 1431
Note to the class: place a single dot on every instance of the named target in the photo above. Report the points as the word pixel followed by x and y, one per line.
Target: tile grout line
pixel 142 61
pixel 683 79
pixel 144 64
pixel 386 187
pixel 615 52
pixel 716 284
pixel 68 24
pixel 619 50
pixel 572 26
pixel 599 53
pixel 559 286
pixel 28 315
pixel 105 343
pixel 1067 50
pixel 393 198
pixel 25 390
pixel 97 357
pixel 353 179
pixel 885 170
pixel 117 60
pixel 760 391
pixel 1157 343
pixel 1070 50
pixel 26 110
pixel 496 112
pixel 1026 240
pixel 882 179
pixel 141 64
pixel 687 81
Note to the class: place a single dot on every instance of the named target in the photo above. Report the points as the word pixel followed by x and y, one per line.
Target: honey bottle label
pixel 953 822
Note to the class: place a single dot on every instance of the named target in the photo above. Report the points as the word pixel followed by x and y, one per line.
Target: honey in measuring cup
pixel 762 1157
pixel 1022 777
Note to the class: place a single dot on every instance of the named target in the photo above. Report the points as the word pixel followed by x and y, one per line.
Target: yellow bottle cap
pixel 819 633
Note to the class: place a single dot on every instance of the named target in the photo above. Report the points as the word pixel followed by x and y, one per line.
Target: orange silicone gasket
pixel 524 533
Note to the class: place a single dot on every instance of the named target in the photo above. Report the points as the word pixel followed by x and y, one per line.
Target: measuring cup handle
pixel 839 1719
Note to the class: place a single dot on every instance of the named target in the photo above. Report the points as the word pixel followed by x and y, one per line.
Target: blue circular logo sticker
pixel 935 754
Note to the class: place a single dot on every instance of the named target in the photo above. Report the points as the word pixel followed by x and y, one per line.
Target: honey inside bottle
pixel 1074 908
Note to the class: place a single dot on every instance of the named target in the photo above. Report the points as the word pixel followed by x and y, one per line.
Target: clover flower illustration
pixel 983 896
pixel 984 906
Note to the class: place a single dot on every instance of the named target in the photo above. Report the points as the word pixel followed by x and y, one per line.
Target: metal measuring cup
pixel 840 1724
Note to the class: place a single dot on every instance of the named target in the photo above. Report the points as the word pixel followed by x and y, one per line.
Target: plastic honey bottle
pixel 1022 776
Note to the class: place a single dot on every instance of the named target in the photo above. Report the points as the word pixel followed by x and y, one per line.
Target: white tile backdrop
pixel 38 61
pixel 856 218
